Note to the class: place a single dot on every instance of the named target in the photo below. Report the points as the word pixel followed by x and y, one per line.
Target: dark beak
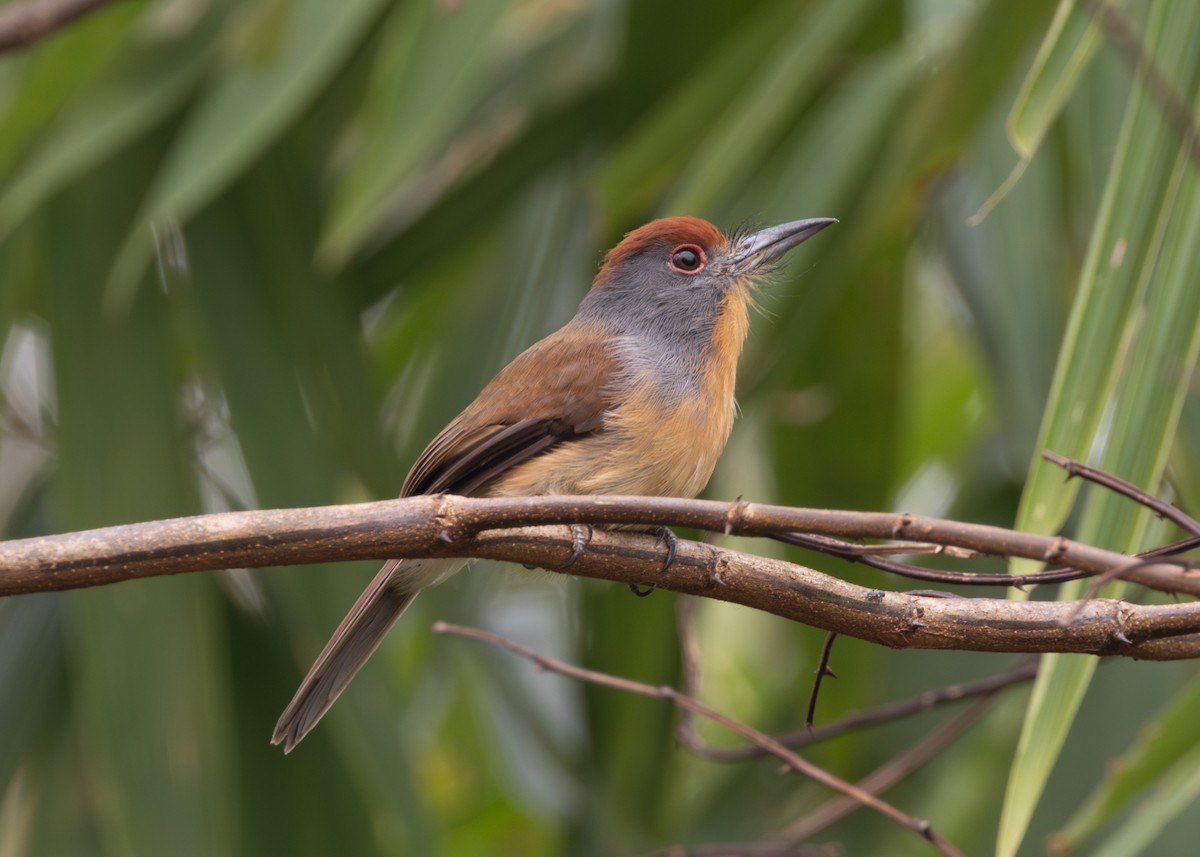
pixel 759 249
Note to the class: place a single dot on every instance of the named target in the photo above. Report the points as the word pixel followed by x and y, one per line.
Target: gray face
pixel 652 295
pixel 669 284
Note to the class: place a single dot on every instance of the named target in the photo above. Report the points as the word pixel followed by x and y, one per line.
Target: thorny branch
pixel 789 758
pixel 529 530
pixel 892 771
pixel 984 692
pixel 517 530
pixel 890 712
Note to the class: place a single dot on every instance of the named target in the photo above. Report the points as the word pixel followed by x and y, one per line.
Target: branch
pixel 1120 486
pixel 22 24
pixel 447 526
pixel 688 736
pixel 888 712
pixel 893 771
pixel 686 703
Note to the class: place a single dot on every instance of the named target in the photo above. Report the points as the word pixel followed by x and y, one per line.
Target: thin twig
pixel 1172 549
pixel 22 24
pixel 761 848
pixel 880 715
pixel 851 553
pixel 864 554
pixel 822 671
pixel 1099 582
pixel 1127 489
pixel 791 761
pixel 894 770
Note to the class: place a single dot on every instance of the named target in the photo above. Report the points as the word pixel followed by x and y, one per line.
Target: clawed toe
pixel 581 534
pixel 668 538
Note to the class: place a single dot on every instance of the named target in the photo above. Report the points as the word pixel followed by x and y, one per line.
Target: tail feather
pixel 359 634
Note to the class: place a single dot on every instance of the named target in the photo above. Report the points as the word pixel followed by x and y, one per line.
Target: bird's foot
pixel 581 534
pixel 668 538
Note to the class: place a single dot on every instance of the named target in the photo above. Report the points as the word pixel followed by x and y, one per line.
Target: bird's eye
pixel 687 259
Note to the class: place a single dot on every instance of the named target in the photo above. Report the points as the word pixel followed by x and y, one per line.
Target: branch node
pixel 1070 467
pixel 445 519
pixel 733 517
pixel 902 523
pixel 1056 549
pixel 716 570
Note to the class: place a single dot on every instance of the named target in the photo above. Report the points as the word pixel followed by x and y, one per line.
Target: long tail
pixel 359 634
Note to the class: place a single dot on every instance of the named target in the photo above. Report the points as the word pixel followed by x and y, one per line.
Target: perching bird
pixel 634 395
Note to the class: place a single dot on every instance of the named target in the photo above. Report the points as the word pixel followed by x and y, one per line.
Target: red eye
pixel 687 259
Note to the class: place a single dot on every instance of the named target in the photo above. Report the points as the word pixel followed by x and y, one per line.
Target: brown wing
pixel 556 391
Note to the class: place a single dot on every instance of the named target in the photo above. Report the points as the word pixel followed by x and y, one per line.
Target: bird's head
pixel 677 273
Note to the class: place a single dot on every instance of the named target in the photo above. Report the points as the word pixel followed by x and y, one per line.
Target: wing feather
pixel 555 392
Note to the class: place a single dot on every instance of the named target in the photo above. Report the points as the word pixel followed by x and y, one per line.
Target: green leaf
pixel 1161 746
pixel 432 65
pixel 1114 279
pixel 1178 789
pixel 161 759
pixel 249 105
pixel 46 78
pixel 1129 351
pixel 120 108
pixel 644 159
pixel 1063 56
pixel 32 698
pixel 735 141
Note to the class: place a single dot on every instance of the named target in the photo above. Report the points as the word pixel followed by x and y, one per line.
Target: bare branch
pixel 851 552
pixel 444 525
pixel 1120 486
pixel 767 743
pixel 467 527
pixel 893 771
pixel 22 24
pixel 822 670
pixel 926 701
pixel 888 713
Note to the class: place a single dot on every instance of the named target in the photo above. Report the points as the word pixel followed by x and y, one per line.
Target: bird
pixel 633 395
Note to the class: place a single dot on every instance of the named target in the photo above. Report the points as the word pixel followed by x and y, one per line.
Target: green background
pixel 255 254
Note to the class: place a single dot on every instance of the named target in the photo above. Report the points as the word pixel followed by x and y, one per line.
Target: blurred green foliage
pixel 256 253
